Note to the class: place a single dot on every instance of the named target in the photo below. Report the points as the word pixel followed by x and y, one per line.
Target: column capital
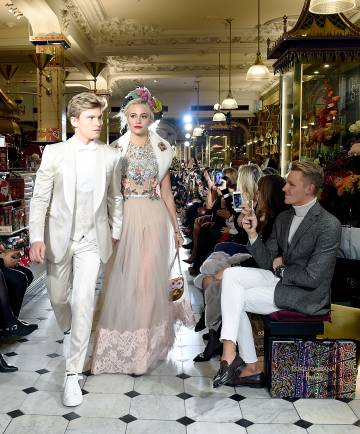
pixel 57 39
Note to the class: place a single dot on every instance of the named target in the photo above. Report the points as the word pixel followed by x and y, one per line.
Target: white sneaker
pixel 66 345
pixel 72 395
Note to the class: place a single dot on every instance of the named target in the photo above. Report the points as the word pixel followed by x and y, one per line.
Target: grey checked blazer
pixel 309 259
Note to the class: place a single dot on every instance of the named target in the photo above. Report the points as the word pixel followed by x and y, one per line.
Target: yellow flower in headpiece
pixel 157 105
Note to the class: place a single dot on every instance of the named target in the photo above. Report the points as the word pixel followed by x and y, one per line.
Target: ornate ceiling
pixel 164 44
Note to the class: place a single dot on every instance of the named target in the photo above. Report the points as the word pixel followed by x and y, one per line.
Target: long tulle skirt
pixel 135 327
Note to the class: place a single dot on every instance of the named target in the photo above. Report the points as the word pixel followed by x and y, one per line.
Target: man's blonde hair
pixel 84 101
pixel 310 170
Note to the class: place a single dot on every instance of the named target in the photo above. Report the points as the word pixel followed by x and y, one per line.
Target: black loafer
pixel 257 380
pixel 227 372
pixel 4 367
pixel 200 325
pixel 213 348
pixel 19 329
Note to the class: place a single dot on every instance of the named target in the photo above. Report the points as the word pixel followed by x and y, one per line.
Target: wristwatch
pixel 279 271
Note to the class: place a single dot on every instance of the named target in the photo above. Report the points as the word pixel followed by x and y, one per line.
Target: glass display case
pixel 319 65
pixel 216 147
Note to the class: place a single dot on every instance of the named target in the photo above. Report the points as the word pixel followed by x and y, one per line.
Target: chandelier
pixel 325 7
pixel 229 102
pixel 218 115
pixel 258 71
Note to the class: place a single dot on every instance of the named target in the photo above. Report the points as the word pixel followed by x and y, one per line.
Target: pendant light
pixel 218 116
pixel 229 102
pixel 197 132
pixel 325 7
pixel 258 71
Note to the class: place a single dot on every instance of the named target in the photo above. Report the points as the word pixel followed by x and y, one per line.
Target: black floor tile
pixel 183 376
pixel 237 397
pixel 244 423
pixel 185 421
pixel 15 413
pixel 303 423
pixel 184 396
pixel 42 371
pixel 30 390
pixel 71 416
pixel 128 418
pixel 132 394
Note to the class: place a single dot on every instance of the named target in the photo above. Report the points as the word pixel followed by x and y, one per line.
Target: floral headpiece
pixel 144 94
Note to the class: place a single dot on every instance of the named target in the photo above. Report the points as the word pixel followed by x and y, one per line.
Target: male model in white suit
pixel 75 217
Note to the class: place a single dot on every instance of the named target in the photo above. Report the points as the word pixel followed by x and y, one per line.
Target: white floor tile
pixel 325 411
pixel 18 380
pixel 268 411
pixel 4 421
pixel 37 424
pixel 201 369
pixel 159 385
pixel 168 367
pixel 334 429
pixel 253 392
pixel 275 428
pixel 93 425
pixel 31 362
pixel 213 409
pixel 157 407
pixel 203 386
pixel 109 383
pixel 155 427
pixel 215 428
pixel 10 398
pixel 104 405
pixel 355 405
pixel 44 403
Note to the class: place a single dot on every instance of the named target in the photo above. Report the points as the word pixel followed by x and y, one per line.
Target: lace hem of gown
pixel 131 352
pixel 182 313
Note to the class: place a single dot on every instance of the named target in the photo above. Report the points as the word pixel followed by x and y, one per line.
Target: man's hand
pixel 8 259
pixel 37 252
pixel 278 262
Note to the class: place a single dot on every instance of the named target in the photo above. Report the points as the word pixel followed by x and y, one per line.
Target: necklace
pixel 147 141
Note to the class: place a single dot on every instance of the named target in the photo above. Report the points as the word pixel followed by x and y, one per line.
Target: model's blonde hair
pixel 247 182
pixel 312 171
pixel 84 101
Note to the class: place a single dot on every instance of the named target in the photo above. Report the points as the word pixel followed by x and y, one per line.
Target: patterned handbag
pixel 176 284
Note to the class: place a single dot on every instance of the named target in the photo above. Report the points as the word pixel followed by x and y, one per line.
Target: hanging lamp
pixel 218 115
pixel 197 131
pixel 325 7
pixel 259 70
pixel 229 102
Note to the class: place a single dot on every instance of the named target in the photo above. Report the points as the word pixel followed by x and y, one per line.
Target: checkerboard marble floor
pixel 177 397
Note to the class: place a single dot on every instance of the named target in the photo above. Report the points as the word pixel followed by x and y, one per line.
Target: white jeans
pixel 245 290
pixel 75 311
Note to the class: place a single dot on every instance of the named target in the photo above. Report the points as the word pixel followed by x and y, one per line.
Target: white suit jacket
pixel 53 201
pixel 162 150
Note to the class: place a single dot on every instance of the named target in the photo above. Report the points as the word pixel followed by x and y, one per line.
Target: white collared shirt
pixel 85 159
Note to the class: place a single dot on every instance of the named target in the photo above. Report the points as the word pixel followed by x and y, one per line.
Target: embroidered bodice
pixel 140 174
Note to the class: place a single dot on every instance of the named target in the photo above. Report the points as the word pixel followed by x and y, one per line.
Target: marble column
pixel 51 112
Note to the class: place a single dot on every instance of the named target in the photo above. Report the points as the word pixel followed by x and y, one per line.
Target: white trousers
pixel 245 290
pixel 74 309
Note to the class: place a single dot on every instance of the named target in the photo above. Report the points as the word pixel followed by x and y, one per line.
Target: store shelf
pixel 10 234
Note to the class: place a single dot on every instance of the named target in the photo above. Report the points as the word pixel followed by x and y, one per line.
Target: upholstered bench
pixel 285 324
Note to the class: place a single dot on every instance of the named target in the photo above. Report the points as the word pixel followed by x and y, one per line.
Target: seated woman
pixel 212 219
pixel 14 280
pixel 270 203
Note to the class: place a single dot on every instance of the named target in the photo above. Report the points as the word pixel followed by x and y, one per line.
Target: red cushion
pixel 291 315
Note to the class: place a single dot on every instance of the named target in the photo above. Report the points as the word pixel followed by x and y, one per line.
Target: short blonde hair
pixel 247 182
pixel 84 101
pixel 310 170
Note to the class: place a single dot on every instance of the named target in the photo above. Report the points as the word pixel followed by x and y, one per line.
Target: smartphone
pixel 237 201
pixel 218 178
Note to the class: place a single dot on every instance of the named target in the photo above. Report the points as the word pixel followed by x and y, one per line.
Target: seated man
pixel 297 263
pixel 14 280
